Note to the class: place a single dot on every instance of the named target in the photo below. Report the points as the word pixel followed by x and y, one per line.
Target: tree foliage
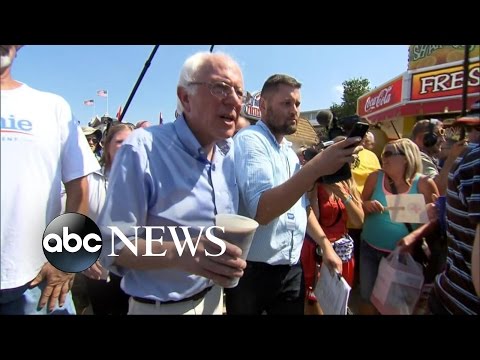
pixel 352 90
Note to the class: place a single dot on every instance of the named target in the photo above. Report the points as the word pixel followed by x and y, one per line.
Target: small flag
pixel 119 113
pixel 102 93
pixel 160 120
pixel 89 102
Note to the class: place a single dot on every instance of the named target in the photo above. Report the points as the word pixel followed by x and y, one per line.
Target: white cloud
pixel 338 92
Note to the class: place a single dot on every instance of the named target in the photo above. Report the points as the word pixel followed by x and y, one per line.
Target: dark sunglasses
pixel 388 153
pixel 92 139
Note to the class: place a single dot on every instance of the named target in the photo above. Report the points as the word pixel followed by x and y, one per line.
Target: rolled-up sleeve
pixel 253 170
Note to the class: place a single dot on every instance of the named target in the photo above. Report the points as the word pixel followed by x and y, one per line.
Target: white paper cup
pixel 239 230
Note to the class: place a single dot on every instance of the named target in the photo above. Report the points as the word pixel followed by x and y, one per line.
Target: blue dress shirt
pixel 261 163
pixel 162 177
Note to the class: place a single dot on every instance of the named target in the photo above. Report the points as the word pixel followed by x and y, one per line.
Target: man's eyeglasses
pixel 389 153
pixel 221 90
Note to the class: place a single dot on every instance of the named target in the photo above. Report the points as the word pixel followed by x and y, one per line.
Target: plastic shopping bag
pixel 398 285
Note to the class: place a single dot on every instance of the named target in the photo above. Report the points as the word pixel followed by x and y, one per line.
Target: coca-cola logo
pixel 383 98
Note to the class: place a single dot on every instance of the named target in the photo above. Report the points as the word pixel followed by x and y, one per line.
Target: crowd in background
pixel 210 160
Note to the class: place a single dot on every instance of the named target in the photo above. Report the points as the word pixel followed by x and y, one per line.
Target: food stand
pixel 432 87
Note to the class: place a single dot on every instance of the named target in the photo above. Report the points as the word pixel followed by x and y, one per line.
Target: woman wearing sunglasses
pixel 401 173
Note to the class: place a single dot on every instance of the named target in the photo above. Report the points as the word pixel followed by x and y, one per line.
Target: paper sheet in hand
pixel 332 292
pixel 410 208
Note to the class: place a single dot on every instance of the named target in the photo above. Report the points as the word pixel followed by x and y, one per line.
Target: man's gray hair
pixel 190 69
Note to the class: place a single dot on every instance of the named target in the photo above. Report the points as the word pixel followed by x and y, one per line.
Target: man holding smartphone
pixel 272 186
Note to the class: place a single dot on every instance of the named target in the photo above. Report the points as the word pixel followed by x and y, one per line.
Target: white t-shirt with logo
pixel 41 146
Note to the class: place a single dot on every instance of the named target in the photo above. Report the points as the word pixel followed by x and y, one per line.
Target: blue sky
pixel 76 72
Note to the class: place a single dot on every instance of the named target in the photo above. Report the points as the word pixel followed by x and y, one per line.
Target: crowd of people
pixel 210 161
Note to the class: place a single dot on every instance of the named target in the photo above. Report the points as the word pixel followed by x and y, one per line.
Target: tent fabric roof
pixel 305 134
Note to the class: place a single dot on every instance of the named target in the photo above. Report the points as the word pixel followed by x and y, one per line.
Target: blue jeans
pixel 24 301
pixel 370 260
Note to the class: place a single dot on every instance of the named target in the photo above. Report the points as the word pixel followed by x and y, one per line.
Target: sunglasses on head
pixel 389 153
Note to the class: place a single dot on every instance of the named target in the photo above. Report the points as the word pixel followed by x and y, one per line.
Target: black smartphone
pixel 344 173
pixel 358 130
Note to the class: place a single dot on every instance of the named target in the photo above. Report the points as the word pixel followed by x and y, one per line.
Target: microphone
pixel 325 118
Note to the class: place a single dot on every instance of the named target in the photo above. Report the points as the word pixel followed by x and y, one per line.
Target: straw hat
pixel 87 130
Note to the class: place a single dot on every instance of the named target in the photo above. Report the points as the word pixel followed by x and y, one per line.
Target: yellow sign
pixel 420 56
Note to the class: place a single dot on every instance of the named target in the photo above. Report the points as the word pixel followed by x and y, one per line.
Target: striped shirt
pixel 454 287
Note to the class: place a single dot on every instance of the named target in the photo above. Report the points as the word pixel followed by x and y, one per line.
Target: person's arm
pixel 312 196
pixel 276 201
pixel 406 243
pixel 370 206
pixel 427 187
pixel 351 200
pixel 441 179
pixel 329 256
pixel 220 269
pixel 77 196
pixel 476 261
pixel 59 283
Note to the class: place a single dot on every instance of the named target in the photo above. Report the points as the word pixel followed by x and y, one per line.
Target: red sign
pixel 444 82
pixel 381 99
pixel 251 108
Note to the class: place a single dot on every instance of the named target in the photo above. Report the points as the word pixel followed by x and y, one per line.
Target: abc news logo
pixel 72 242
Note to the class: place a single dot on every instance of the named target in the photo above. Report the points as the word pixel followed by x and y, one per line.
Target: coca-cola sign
pixel 381 99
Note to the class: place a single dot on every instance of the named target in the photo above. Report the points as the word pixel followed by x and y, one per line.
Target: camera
pixel 342 174
pixel 309 154
pixel 357 129
pixel 335 129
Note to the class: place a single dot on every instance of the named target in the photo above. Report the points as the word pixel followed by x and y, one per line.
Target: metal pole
pixel 394 128
pixel 466 63
pixel 139 80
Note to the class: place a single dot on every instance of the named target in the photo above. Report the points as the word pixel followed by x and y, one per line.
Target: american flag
pixel 102 93
pixel 88 102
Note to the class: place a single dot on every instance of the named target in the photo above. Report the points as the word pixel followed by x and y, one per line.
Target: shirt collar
pixel 190 142
pixel 265 128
